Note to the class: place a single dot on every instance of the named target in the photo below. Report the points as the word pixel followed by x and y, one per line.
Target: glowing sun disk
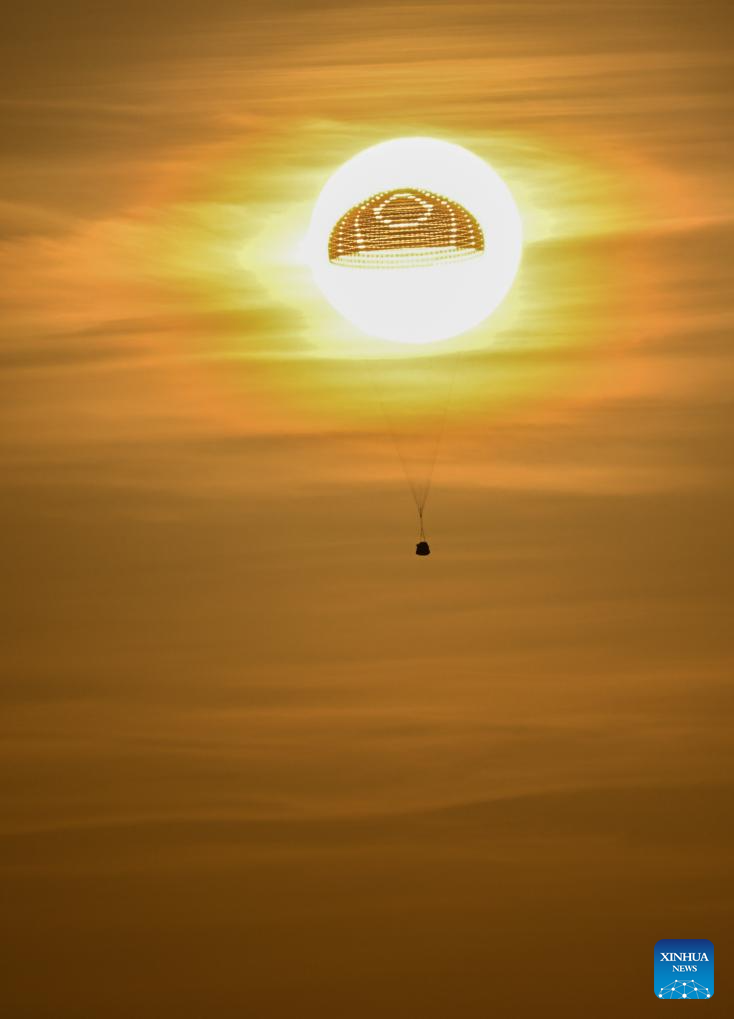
pixel 420 300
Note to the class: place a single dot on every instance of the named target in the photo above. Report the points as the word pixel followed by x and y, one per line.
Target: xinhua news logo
pixel 684 969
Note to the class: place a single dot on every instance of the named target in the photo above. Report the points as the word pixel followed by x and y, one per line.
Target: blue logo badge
pixel 684 968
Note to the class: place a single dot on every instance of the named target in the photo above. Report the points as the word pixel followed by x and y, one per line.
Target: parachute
pixel 404 228
pixel 415 241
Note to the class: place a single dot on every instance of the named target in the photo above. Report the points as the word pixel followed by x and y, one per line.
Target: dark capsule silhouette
pixel 422 548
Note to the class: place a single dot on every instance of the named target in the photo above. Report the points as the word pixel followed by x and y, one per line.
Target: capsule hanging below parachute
pixel 414 241
pixel 405 228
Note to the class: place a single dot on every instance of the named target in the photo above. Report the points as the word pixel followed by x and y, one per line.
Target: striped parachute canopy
pixel 402 228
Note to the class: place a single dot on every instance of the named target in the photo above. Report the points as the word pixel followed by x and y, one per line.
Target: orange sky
pixel 257 758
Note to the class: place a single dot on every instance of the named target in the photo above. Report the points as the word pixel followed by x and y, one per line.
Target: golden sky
pixel 258 759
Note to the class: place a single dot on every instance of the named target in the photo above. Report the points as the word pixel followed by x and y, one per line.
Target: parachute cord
pixel 457 360
pixel 414 488
pixel 420 492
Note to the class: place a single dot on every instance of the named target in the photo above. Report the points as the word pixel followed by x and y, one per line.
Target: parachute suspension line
pixel 387 418
pixel 440 433
pixel 421 502
pixel 420 492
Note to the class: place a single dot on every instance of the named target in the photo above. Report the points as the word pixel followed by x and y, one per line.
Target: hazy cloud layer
pixel 258 759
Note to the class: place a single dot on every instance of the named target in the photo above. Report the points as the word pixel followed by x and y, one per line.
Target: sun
pixel 415 240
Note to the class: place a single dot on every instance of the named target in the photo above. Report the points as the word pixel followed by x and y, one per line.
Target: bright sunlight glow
pixel 425 303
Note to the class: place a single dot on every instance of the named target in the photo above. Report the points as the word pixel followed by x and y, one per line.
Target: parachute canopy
pixel 404 227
